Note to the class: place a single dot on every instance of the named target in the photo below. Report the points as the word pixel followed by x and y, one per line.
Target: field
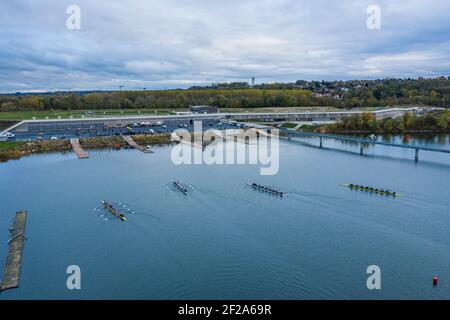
pixel 78 114
pixel 8 145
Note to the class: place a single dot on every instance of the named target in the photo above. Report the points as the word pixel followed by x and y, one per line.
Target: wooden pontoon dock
pixel 81 154
pixel 11 275
pixel 132 143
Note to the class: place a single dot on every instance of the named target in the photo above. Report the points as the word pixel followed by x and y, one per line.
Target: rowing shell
pixel 261 188
pixel 180 187
pixel 114 211
pixel 373 191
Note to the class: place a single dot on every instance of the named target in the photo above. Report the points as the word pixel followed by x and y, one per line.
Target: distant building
pixel 204 109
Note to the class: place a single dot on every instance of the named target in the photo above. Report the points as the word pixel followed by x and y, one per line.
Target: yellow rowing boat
pixel 114 211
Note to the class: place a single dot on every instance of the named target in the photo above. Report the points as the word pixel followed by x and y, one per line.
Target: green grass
pixel 77 114
pixel 10 145
pixel 289 125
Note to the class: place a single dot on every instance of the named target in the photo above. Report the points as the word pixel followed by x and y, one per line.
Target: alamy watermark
pixel 74 280
pixel 374 279
pixel 73 22
pixel 374 19
pixel 228 147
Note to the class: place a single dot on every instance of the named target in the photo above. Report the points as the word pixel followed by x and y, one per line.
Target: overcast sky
pixel 178 43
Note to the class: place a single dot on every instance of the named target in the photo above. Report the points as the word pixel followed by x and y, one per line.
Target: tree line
pixel 436 121
pixel 340 94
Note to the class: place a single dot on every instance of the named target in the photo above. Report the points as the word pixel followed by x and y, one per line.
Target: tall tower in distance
pixel 253 81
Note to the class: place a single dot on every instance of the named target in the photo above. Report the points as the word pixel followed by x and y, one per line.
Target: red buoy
pixel 435 281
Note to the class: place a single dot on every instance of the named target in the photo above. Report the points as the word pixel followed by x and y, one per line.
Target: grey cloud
pixel 177 43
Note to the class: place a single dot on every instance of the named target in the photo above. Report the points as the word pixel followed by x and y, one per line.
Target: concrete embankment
pixel 4 124
pixel 17 150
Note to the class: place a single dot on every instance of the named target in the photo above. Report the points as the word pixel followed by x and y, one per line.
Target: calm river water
pixel 225 240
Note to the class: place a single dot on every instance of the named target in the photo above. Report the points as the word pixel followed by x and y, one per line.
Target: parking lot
pixel 166 127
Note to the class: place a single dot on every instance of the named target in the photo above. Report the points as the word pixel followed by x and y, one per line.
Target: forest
pixel 340 94
pixel 436 121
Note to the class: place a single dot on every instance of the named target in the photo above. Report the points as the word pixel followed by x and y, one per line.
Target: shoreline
pixel 15 150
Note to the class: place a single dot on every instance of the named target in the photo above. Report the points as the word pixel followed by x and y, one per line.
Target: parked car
pixel 6 134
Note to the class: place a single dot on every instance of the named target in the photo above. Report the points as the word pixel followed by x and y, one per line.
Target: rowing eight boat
pixel 373 190
pixel 266 189
pixel 113 210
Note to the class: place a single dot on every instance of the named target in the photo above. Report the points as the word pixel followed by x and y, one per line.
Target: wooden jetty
pixel 81 154
pixel 196 140
pixel 13 264
pixel 132 143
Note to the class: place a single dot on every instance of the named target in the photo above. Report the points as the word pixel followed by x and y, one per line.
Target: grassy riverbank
pixel 433 122
pixel 436 122
pixel 79 114
pixel 16 150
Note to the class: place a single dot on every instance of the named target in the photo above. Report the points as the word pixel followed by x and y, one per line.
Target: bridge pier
pixel 363 142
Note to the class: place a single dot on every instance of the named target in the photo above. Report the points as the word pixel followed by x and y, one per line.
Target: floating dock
pixel 81 154
pixel 13 264
pixel 132 143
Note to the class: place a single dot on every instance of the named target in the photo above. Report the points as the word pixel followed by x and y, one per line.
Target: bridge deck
pixel 362 140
